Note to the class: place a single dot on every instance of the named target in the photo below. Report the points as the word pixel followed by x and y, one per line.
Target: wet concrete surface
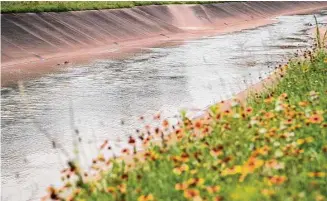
pixel 104 99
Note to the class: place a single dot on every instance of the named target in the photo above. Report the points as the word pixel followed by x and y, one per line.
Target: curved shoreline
pixel 50 46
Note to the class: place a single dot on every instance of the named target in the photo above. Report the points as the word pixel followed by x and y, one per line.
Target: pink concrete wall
pixel 33 35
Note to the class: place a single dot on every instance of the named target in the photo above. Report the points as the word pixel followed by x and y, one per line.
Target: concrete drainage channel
pixel 103 94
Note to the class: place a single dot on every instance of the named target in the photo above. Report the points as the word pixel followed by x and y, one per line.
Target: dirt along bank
pixel 35 43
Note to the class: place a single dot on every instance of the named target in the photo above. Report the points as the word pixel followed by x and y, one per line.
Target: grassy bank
pixel 272 148
pixel 57 6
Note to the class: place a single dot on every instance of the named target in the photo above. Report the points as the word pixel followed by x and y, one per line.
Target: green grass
pixel 274 148
pixel 61 6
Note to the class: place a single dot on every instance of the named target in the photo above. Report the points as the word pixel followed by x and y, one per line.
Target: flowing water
pixel 104 99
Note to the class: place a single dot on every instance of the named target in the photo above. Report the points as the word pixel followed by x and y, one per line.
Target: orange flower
pixel 184 157
pixel 273 163
pixel 198 124
pixel 277 179
pixel 126 151
pixel 283 96
pixel 218 198
pixel 213 189
pixel 165 123
pixel 248 110
pixel 288 121
pixel 303 103
pixel 217 151
pixel 145 198
pixel 316 119
pixel 122 188
pixel 269 115
pixel 269 100
pixel 181 186
pixel 267 192
pixel 227 112
pixel 191 194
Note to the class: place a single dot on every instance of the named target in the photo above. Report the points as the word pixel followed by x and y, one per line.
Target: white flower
pixel 291 134
pixel 278 108
pixel 282 126
pixel 278 153
pixel 235 103
pixel 236 116
pixel 302 194
pixel 278 102
pixel 307 112
pixel 253 122
pixel 262 130
pixel 313 95
pixel 276 144
pixel 280 166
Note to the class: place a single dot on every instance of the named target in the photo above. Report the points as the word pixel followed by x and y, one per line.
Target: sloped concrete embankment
pixel 36 36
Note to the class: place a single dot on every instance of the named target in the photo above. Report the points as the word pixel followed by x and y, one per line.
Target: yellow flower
pixel 320 198
pixel 111 189
pixel 283 96
pixel 181 169
pixel 309 139
pixel 261 151
pixel 250 166
pixel 300 141
pixel 316 174
pixel 230 171
pixel 195 182
pixel 305 68
pixel 145 198
pixel 101 157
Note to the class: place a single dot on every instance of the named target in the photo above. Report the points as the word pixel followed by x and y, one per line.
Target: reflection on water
pixel 103 100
